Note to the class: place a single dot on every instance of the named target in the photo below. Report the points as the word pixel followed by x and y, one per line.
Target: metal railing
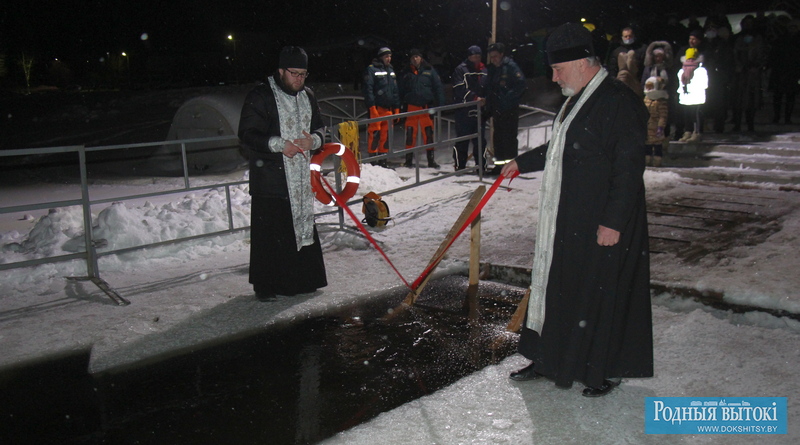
pixel 443 138
pixel 90 254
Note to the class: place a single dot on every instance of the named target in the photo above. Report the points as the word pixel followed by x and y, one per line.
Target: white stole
pixel 295 116
pixel 549 196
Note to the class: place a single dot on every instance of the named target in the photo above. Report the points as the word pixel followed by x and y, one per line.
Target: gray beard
pixel 566 91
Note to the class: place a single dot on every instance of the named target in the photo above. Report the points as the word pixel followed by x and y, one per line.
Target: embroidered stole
pixel 549 196
pixel 295 116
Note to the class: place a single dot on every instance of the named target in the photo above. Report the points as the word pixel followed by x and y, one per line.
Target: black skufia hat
pixel 569 41
pixel 293 57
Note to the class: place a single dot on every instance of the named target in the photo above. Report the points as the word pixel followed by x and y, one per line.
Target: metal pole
pixel 493 37
pixel 337 175
pixel 185 165
pixel 91 255
pixel 481 155
pixel 92 268
pixel 230 207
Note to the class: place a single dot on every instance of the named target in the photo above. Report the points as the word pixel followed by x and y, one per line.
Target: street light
pixel 230 37
pixel 127 66
pixel 234 60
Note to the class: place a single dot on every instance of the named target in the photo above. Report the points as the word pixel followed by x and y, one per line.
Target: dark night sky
pixel 86 27
pixel 83 31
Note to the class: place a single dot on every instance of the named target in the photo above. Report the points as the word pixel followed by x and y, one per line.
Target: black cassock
pixel 275 263
pixel 598 321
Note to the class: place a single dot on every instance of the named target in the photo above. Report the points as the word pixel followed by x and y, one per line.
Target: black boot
pixel 601 390
pixel 265 295
pixel 431 162
pixel 525 374
pixel 409 160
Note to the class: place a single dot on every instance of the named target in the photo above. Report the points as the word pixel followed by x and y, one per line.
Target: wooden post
pixel 516 320
pixel 475 251
pixel 473 308
pixel 437 257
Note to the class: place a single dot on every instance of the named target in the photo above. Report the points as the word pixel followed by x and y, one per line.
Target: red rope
pixel 436 260
pixel 469 220
pixel 363 229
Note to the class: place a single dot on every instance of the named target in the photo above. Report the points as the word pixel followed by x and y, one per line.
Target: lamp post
pixel 230 37
pixel 493 37
pixel 234 60
pixel 127 66
pixel 489 149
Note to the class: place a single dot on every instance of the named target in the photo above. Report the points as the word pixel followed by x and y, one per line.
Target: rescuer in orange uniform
pixel 382 98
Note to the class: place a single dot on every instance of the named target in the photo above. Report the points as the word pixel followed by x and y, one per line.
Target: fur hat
pixel 293 57
pixel 653 47
pixel 569 41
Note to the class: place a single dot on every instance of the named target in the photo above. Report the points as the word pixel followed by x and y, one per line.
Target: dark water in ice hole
pixel 293 384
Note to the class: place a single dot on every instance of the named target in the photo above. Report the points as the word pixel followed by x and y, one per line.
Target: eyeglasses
pixel 297 74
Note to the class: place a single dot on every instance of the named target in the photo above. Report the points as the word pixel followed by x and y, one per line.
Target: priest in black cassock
pixel 281 125
pixel 589 317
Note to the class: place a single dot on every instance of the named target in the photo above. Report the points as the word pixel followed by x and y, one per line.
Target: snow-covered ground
pixel 698 351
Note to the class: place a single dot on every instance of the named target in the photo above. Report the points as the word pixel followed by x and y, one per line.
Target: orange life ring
pixel 353 173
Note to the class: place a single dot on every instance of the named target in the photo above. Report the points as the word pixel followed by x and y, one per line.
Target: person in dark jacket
pixel 280 125
pixel 506 87
pixel 382 98
pixel 784 78
pixel 718 57
pixel 588 315
pixel 420 88
pixel 750 56
pixel 469 85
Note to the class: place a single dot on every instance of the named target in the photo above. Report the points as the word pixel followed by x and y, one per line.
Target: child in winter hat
pixel 655 99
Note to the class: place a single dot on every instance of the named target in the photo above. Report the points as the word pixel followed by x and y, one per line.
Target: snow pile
pixel 47 237
pixel 124 224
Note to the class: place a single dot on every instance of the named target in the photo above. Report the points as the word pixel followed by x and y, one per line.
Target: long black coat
pixel 598 320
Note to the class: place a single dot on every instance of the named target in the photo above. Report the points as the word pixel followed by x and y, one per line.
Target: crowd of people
pixel 694 79
pixel 498 86
pixel 716 79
